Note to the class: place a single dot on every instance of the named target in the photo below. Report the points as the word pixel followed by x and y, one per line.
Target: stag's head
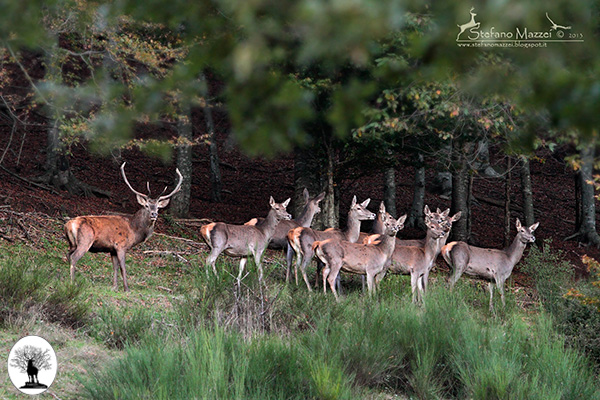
pixel 526 233
pixel 153 205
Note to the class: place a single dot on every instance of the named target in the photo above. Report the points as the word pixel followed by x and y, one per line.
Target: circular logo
pixel 560 34
pixel 32 365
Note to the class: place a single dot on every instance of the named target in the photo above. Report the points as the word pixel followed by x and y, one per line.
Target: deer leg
pixel 242 265
pixel 491 289
pixel 289 257
pixel 306 259
pixel 299 260
pixel 413 285
pixel 500 286
pixel 212 258
pixel 370 283
pixel 332 278
pixel 121 256
pixel 116 266
pixel 76 254
pixel 325 274
pixel 257 261
pixel 420 289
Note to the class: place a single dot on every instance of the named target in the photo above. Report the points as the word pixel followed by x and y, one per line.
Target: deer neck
pixel 433 245
pixel 306 216
pixel 268 225
pixel 387 244
pixel 514 252
pixel 142 225
pixel 378 226
pixel 352 228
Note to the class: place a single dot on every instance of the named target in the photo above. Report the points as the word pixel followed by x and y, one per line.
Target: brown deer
pixel 301 238
pixel 418 261
pixel 358 258
pixel 243 240
pixel 115 234
pixel 492 265
pixel 279 239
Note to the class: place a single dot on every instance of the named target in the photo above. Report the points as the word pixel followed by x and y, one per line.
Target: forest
pixel 171 118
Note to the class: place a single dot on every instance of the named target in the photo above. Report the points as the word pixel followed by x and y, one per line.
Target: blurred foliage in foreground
pixel 265 50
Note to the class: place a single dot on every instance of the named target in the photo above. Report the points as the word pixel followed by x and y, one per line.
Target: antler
pixel 176 188
pixel 128 184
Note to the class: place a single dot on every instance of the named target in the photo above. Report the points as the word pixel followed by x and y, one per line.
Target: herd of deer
pixel 371 255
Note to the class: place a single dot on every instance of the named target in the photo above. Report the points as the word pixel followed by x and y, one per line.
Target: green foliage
pixel 447 350
pixel 550 271
pixel 28 290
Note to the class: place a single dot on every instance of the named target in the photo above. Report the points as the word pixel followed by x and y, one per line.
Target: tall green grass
pixel 28 289
pixel 449 350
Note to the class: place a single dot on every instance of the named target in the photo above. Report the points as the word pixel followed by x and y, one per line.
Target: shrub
pixel 117 328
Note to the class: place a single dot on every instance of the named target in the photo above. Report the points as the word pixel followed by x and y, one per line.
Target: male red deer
pixel 243 240
pixel 279 240
pixel 492 265
pixel 301 239
pixel 358 258
pixel 418 261
pixel 115 234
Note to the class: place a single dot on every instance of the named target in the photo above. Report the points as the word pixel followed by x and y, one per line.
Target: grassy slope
pixel 172 303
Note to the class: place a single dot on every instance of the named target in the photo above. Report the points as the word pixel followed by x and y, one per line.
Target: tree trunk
pixel 507 183
pixel 215 170
pixel 57 167
pixel 389 190
pixel 180 206
pixel 415 218
pixel 587 231
pixel 460 193
pixel 328 205
pixel 528 213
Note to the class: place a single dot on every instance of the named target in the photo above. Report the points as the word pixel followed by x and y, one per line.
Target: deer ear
pixel 163 203
pixel 271 201
pixel 143 201
pixel 534 227
pixel 365 203
pixel 285 203
pixel 402 219
pixel 320 197
pixel 456 216
pixel 518 224
pixel 426 210
pixel 382 207
pixel 446 213
pixel 353 201
pixel 305 195
pixel 438 211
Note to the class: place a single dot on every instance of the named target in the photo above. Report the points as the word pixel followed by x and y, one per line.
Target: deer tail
pixel 446 252
pixel 205 231
pixel 294 239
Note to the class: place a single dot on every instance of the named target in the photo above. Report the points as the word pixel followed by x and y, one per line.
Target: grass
pixel 215 340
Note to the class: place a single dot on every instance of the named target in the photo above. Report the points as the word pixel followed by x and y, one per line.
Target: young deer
pixel 301 239
pixel 279 239
pixel 418 261
pixel 493 265
pixel 243 240
pixel 115 234
pixel 358 258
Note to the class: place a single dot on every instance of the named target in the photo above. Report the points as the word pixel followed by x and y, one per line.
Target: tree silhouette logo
pixel 32 365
